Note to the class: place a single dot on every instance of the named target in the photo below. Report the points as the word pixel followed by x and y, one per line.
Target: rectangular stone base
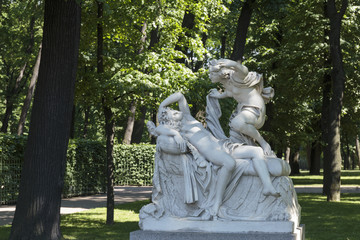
pixel 299 234
pixel 169 224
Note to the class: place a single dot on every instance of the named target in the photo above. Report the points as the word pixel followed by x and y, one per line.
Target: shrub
pixel 134 164
pixel 11 159
pixel 85 168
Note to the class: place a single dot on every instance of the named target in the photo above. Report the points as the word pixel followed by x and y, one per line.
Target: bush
pixel 85 166
pixel 11 159
pixel 134 164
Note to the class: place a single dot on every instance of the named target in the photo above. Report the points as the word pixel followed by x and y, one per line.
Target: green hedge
pixel 11 155
pixel 134 164
pixel 85 166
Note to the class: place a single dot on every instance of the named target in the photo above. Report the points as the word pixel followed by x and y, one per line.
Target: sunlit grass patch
pixel 348 178
pixel 90 224
pixel 330 220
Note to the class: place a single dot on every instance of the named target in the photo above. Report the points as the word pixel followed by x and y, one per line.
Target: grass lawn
pixel 330 220
pixel 348 178
pixel 323 220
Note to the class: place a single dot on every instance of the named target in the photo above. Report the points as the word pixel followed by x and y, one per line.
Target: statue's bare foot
pixel 214 210
pixel 271 191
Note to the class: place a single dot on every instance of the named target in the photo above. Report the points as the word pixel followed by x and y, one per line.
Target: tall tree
pixel 37 214
pixel 242 29
pixel 332 154
pixel 109 119
pixel 29 95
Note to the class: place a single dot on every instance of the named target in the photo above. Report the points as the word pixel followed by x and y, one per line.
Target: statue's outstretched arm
pixel 180 99
pixel 232 64
pixel 216 94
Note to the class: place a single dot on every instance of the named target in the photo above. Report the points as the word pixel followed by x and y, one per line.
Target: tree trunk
pixel 188 24
pixel 86 122
pixel 130 123
pixel 294 163
pixel 315 156
pixel 110 134
pixel 154 120
pixel 353 162
pixel 143 38
pixel 8 112
pixel 332 156
pixel 139 126
pixel 109 122
pixel 326 96
pixel 358 149
pixel 287 155
pixel 346 154
pixel 29 95
pixel 242 29
pixel 37 214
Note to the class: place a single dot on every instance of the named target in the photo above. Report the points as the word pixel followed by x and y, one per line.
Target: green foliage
pixel 20 36
pixel 286 42
pixel 85 166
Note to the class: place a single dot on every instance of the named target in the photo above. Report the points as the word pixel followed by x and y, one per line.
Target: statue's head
pixel 170 117
pixel 217 73
pixel 223 70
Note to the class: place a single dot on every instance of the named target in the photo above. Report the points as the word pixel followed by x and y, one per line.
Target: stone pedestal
pixel 298 234
pixel 169 224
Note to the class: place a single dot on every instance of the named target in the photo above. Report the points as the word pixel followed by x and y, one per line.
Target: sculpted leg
pixel 227 164
pixel 257 156
pixel 244 123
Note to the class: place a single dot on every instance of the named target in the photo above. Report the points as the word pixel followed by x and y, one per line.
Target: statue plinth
pixel 298 234
pixel 170 224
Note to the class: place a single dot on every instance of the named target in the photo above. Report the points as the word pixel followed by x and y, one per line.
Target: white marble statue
pixel 206 181
pixel 185 128
pixel 247 89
